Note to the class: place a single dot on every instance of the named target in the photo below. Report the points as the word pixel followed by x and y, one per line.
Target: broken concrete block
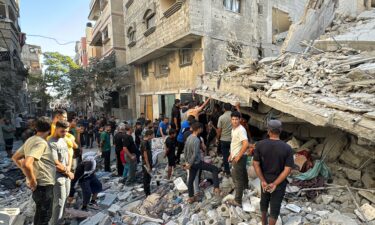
pixel 368 195
pixel 322 213
pixel 351 159
pixel 327 199
pixel 294 143
pixel 106 221
pixel 227 198
pixel 248 207
pixel 71 213
pixel 293 208
pixel 114 209
pixel 368 180
pixel 8 215
pixel 234 218
pixel 180 185
pixel 94 220
pixel 255 201
pixel 309 145
pixel 108 200
pixel 256 185
pixel 123 196
pixel 352 174
pixel 294 220
pixel 223 211
pixel 334 145
pixel 337 218
pixel 368 212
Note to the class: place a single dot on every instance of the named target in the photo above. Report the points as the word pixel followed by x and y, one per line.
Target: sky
pixel 64 20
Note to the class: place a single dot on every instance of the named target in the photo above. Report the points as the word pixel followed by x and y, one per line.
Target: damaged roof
pixel 334 89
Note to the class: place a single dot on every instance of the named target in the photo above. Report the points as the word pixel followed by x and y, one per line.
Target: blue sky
pixel 64 20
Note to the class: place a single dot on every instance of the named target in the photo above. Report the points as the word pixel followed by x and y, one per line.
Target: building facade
pixel 31 57
pixel 107 34
pixel 171 42
pixel 13 85
pixel 81 58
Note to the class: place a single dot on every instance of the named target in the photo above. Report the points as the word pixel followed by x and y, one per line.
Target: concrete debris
pixel 369 196
pixel 94 220
pixel 293 208
pixel 337 218
pixel 108 200
pixel 180 185
pixel 368 212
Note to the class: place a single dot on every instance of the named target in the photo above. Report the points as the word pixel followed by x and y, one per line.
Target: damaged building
pixel 13 85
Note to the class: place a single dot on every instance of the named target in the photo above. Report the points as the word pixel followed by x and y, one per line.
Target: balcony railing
pixel 174 8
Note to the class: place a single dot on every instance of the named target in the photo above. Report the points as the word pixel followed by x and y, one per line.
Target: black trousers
pixel 43 198
pixel 225 150
pixel 180 149
pixel 211 137
pixel 89 140
pixel 202 166
pixel 273 200
pixel 120 167
pixel 107 161
pixel 240 178
pixel 146 181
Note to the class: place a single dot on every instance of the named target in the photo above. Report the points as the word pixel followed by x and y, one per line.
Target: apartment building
pixel 170 42
pixel 31 57
pixel 13 87
pixel 107 34
pixel 81 57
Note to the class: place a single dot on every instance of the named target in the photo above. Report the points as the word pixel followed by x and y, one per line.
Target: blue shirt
pixel 164 127
pixel 184 127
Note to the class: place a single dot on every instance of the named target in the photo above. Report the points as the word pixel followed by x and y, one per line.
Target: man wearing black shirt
pixel 138 133
pixel 147 160
pixel 118 141
pixel 130 154
pixel 170 144
pixel 273 161
pixel 142 119
pixel 176 115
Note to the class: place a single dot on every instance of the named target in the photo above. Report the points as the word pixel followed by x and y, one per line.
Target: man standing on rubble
pixel 194 162
pixel 35 160
pixel 60 153
pixel 273 161
pixel 238 148
pixel 130 154
pixel 105 145
pixel 224 131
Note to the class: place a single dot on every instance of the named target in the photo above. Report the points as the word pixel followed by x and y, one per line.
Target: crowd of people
pixel 53 160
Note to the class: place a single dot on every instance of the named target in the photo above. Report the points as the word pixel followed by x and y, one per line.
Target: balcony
pixel 96 9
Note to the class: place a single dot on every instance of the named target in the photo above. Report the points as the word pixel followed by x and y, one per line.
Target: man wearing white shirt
pixel 238 147
pixel 18 126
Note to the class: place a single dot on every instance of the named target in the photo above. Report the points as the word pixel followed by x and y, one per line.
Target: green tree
pixel 57 74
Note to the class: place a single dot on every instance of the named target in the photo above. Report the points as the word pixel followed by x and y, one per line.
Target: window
pixel 131 34
pixel 105 35
pixel 144 70
pixel 149 19
pixel 260 9
pixel 124 102
pixel 186 54
pixel 162 67
pixel 2 11
pixel 232 5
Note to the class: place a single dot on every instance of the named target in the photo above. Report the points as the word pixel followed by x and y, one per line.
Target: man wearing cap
pixel 273 161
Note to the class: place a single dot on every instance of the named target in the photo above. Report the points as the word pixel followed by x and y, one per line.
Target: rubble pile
pixel 342 80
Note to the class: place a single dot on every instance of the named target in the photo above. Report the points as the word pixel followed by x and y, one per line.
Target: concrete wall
pixel 294 9
pixel 179 79
pixel 168 30
pixel 352 7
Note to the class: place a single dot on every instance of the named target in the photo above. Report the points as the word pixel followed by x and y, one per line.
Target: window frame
pixel 182 53
pixel 104 38
pixel 144 70
pixel 231 7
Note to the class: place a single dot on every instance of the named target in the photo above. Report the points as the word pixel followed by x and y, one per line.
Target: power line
pixel 52 38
